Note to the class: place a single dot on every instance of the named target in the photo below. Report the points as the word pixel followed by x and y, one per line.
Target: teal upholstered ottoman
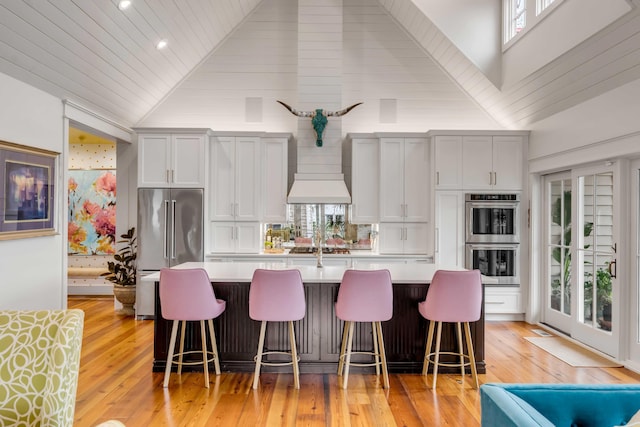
pixel 555 405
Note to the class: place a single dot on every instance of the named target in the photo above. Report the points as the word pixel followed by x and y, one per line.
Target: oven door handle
pixel 493 204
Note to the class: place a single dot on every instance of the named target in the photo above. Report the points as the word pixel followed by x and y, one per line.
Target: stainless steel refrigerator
pixel 170 232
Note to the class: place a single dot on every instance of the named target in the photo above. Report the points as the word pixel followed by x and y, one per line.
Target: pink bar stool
pixel 453 297
pixel 187 295
pixel 276 296
pixel 364 296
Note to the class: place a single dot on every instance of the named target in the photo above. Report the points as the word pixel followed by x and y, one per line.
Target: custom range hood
pixel 319 178
pixel 319 189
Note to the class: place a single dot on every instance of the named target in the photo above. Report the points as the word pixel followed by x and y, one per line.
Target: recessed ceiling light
pixel 161 44
pixel 123 4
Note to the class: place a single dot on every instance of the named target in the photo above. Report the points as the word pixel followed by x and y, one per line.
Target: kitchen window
pixel 515 17
pixel 516 20
pixel 332 220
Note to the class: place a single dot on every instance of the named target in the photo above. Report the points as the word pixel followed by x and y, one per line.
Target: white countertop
pixel 243 271
pixel 356 253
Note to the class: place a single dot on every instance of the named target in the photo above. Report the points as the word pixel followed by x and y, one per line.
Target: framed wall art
pixel 27 191
pixel 92 212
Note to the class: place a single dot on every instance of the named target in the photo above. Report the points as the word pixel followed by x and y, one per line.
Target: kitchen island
pixel 320 332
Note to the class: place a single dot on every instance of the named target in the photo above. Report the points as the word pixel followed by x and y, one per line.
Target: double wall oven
pixel 493 236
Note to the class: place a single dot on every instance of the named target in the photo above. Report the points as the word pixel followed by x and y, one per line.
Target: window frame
pixel 542 9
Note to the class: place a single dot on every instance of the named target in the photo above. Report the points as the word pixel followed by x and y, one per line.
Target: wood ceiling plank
pixel 56 62
pixel 85 58
pixel 599 67
pixel 133 36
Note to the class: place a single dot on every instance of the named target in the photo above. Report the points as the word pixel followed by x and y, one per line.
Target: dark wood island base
pixel 318 334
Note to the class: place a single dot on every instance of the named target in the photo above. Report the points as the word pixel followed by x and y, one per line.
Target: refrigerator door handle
pixel 173 229
pixel 165 246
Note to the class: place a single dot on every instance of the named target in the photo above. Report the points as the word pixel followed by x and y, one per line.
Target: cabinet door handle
pixel 166 177
pixel 437 178
pixel 495 178
pixel 490 178
pixel 165 236
pixel 173 175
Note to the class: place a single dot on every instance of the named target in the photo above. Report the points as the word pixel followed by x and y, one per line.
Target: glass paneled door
pixel 557 300
pixel 580 298
pixel 596 248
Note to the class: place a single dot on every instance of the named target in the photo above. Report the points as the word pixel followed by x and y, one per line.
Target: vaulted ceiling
pixel 92 53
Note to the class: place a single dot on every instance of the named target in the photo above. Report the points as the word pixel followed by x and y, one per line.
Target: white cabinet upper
pixel 363 157
pixel 448 162
pixel 483 161
pixel 235 178
pixel 172 159
pixel 403 238
pixel 404 180
pixel 492 162
pixel 274 179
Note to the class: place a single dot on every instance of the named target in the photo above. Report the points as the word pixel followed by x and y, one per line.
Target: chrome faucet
pixel 319 256
pixel 318 241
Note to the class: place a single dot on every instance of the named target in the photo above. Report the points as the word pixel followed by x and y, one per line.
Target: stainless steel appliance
pixel 492 218
pixel 170 232
pixel 493 236
pixel 499 261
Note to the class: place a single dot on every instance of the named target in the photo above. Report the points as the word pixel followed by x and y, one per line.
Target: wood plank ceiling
pixel 93 54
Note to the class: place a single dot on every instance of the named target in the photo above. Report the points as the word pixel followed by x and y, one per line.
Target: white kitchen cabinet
pixel 235 178
pixel 449 228
pixel 365 180
pixel 274 179
pixel 492 162
pixel 503 303
pixel 235 237
pixel 447 163
pixel 404 180
pixel 403 238
pixel 172 160
pixel 508 162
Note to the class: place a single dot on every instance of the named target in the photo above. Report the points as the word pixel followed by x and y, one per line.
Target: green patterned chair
pixel 39 362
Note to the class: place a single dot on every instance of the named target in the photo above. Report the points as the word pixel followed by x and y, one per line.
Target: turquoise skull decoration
pixel 319 118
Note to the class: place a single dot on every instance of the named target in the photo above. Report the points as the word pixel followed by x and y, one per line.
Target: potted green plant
pixel 562 256
pixel 603 297
pixel 122 272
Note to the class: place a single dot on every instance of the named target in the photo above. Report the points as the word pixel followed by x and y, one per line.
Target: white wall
pixel 604 127
pixel 568 25
pixel 474 26
pixel 380 60
pixel 33 271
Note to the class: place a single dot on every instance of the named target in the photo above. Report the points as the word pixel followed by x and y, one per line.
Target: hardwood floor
pixel 116 382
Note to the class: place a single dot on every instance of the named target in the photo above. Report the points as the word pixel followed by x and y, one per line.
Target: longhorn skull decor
pixel 319 118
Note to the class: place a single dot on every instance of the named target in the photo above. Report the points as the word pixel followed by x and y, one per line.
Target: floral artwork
pixel 92 212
